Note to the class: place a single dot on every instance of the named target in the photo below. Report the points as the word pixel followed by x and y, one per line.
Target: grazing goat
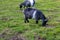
pixel 27 3
pixel 31 13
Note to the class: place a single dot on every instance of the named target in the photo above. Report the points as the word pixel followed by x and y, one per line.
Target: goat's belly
pixel 30 17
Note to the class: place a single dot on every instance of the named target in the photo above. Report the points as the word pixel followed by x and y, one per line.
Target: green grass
pixel 13 20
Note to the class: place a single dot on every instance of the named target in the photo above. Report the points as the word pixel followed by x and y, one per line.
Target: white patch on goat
pixel 31 1
pixel 34 14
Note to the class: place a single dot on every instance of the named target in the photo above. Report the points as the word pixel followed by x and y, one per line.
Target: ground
pixel 12 26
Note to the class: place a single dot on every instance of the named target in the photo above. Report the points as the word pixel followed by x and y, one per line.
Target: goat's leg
pixel 26 20
pixel 36 22
pixel 36 18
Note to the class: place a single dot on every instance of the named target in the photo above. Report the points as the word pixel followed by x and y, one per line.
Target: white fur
pixel 31 1
pixel 34 14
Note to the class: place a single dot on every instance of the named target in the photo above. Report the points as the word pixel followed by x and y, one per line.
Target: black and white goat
pixel 27 3
pixel 31 13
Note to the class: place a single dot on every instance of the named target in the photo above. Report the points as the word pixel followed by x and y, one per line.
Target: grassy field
pixel 12 26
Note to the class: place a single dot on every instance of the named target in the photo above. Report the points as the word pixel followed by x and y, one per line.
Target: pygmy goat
pixel 27 4
pixel 31 13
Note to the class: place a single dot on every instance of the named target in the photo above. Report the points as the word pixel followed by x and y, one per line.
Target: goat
pixel 27 4
pixel 31 13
